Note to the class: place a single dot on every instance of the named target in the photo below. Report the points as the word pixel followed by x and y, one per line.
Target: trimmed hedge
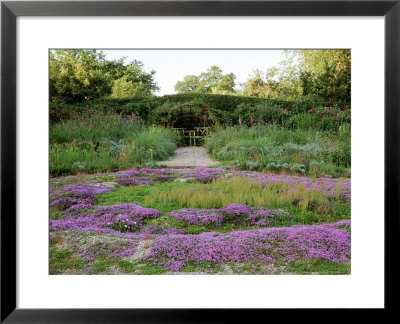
pixel 140 107
pixel 220 102
pixel 166 115
pixel 227 109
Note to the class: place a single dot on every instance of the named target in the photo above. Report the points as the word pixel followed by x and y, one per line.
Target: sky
pixel 173 65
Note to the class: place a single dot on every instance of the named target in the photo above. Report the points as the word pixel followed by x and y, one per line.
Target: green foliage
pixel 267 112
pixel 141 108
pixel 216 101
pixel 299 151
pixel 303 104
pixel 66 159
pixel 150 145
pixel 126 266
pixel 169 113
pixel 169 196
pixel 345 144
pixel 62 260
pixel 140 267
pixel 139 194
pixel 211 81
pixel 95 128
pixel 262 87
pixel 123 88
pixel 204 267
pixel 324 74
pixel 224 109
pixel 303 121
pixel 84 75
pixel 132 72
pixel 319 266
pixel 77 75
pixel 106 141
pixel 101 265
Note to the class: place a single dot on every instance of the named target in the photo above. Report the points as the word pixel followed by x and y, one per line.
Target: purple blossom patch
pixel 121 218
pixel 285 244
pixel 239 214
pixel 108 247
pixel 80 194
pixel 134 181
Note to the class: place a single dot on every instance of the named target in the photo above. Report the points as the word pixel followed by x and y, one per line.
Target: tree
pixel 225 86
pixel 307 80
pixel 211 81
pixel 262 86
pixel 123 88
pixel 255 85
pixel 130 80
pixel 190 83
pixel 133 72
pixel 324 74
pixel 79 75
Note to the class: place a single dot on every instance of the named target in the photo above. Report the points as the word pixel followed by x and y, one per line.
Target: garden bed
pixel 200 221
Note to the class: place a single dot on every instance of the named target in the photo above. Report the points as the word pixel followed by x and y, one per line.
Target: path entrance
pixel 189 156
pixel 192 137
pixel 191 122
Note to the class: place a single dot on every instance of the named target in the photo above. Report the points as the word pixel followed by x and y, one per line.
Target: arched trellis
pixel 203 118
pixel 193 134
pixel 170 115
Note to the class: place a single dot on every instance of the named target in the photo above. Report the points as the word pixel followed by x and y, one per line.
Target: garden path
pixel 189 156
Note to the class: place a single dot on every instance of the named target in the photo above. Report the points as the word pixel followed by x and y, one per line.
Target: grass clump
pixel 306 206
pixel 319 266
pixel 106 142
pixel 63 260
pixel 310 152
pixel 238 190
pixel 140 267
pixel 102 265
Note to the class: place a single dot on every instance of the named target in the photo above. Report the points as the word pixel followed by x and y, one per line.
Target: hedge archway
pixel 169 116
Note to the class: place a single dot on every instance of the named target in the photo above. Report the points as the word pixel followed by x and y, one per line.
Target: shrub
pixel 227 109
pixel 168 113
pixel 220 102
pixel 303 104
pixel 268 112
pixel 302 121
pixel 141 108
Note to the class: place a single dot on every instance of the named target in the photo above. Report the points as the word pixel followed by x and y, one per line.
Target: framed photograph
pixel 163 158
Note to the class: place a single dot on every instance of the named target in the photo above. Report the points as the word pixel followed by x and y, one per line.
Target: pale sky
pixel 173 65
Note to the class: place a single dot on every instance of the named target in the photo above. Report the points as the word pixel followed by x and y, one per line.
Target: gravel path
pixel 189 156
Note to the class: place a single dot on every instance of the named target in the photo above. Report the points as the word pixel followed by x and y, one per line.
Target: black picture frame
pixel 10 10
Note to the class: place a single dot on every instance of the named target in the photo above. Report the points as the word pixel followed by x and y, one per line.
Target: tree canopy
pixel 79 75
pixel 210 81
pixel 324 74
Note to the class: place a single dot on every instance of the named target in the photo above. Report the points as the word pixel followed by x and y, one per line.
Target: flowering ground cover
pixel 200 221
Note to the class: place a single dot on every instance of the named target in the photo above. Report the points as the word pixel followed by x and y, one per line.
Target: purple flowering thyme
pixel 285 244
pixel 238 214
